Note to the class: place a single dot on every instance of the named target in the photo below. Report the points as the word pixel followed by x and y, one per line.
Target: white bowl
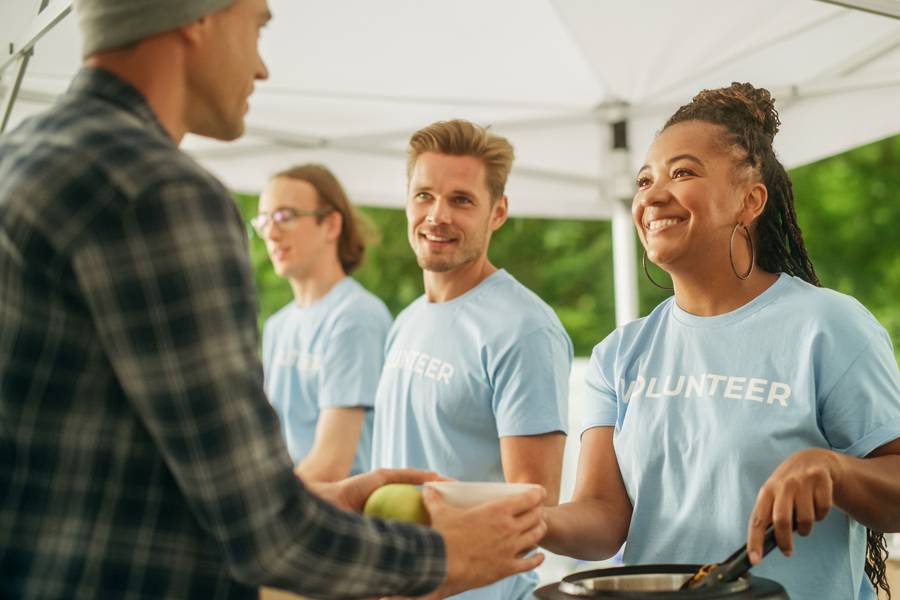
pixel 466 494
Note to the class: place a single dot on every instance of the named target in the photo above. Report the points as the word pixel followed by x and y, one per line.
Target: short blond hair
pixel 462 138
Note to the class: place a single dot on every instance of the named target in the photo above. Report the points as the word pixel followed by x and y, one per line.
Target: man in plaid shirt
pixel 138 454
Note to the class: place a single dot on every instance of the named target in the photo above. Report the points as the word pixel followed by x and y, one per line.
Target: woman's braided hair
pixel 749 117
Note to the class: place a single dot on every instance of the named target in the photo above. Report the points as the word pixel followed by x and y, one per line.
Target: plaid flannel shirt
pixel 138 454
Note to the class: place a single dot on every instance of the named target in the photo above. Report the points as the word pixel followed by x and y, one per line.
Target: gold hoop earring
pixel 644 262
pixel 731 252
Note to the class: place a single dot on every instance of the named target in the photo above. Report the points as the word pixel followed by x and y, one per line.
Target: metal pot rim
pixel 573 585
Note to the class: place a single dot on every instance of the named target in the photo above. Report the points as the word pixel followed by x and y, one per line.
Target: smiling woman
pixel 751 397
pixel 706 153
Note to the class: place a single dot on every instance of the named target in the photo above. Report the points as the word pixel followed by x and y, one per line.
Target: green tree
pixel 848 207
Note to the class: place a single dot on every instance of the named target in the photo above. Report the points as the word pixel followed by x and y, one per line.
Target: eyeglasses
pixel 284 218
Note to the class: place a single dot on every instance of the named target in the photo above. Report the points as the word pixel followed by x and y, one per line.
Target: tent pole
pixel 884 8
pixel 13 91
pixel 20 52
pixel 50 14
pixel 617 157
pixel 624 263
pixel 23 51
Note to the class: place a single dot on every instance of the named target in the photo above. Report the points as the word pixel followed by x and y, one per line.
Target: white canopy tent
pixel 579 86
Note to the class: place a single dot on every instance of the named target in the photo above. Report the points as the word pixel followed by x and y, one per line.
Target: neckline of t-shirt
pixel 729 318
pixel 483 285
pixel 327 300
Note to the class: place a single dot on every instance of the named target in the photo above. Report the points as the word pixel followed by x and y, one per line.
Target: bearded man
pixel 475 383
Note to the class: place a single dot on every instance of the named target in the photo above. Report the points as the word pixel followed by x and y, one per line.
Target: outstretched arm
pixel 171 293
pixel 594 525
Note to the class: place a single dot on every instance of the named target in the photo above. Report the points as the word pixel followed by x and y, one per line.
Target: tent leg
pixel 13 91
pixel 617 158
pixel 624 263
pixel 26 49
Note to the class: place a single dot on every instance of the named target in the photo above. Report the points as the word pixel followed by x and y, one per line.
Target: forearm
pixel 594 525
pixel 868 490
pixel 319 467
pixel 334 449
pixel 534 459
pixel 585 530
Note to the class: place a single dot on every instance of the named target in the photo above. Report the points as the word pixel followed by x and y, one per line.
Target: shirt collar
pixel 99 83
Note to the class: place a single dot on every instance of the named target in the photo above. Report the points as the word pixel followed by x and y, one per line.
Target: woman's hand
pixel 801 489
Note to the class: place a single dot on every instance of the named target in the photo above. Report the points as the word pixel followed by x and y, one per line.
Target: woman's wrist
pixel 836 465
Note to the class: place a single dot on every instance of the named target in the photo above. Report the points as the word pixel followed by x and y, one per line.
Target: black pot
pixel 655 582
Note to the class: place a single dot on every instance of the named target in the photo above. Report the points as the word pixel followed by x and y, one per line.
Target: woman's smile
pixel 657 224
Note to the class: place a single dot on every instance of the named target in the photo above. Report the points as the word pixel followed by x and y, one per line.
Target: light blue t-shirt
pixel 329 354
pixel 705 409
pixel 459 375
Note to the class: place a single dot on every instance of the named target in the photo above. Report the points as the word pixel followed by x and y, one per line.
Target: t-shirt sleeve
pixel 862 411
pixel 352 364
pixel 599 406
pixel 531 384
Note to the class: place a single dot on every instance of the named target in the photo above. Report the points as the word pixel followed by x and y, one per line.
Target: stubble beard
pixel 441 263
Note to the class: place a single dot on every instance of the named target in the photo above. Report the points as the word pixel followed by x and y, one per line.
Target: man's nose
pixel 262 72
pixel 439 212
pixel 271 231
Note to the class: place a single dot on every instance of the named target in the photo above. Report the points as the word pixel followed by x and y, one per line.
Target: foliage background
pixel 848 207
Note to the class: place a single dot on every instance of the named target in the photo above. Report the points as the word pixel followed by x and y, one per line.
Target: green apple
pixel 400 501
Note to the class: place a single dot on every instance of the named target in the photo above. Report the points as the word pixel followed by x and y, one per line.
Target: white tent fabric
pixel 351 79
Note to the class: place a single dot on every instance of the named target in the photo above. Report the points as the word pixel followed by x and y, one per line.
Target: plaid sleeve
pixel 167 280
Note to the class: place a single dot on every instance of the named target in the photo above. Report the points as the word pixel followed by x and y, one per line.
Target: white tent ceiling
pixel 351 79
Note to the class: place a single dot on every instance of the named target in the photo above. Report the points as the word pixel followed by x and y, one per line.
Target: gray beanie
pixel 107 24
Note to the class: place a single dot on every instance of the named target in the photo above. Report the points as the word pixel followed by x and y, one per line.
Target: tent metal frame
pixel 21 50
pixel 884 8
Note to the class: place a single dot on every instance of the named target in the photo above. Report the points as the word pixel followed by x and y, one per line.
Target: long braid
pixel 876 559
pixel 749 116
pixel 781 247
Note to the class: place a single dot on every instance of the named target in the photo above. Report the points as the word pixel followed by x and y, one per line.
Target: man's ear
pixel 499 213
pixel 335 224
pixel 195 31
pixel 754 203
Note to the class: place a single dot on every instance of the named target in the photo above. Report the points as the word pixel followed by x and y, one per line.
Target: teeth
pixel 662 223
pixel 435 238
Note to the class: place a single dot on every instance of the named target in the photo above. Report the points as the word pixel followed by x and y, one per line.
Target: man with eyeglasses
pixel 323 352
pixel 139 457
